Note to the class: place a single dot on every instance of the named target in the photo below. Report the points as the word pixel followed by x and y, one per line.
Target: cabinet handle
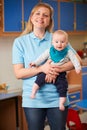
pixel 24 23
pixel 74 25
pixel 73 97
pixel 74 105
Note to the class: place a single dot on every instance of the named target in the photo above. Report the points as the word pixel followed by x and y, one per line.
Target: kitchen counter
pixel 9 116
pixel 84 62
pixel 12 116
pixel 9 95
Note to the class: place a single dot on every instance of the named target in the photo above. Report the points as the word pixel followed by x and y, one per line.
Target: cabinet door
pixel 84 82
pixel 67 16
pixel 12 15
pixel 8 114
pixel 21 115
pixel 81 16
pixel 28 5
pixel 84 86
pixel 54 4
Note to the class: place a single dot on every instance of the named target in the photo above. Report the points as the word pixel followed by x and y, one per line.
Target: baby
pixel 59 53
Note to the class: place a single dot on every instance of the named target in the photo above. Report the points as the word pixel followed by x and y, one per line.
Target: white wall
pixel 77 41
pixel 6 68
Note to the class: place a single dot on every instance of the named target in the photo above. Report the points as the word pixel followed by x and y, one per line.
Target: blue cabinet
pixel 12 15
pixel 74 88
pixel 74 97
pixel 67 16
pixel 81 16
pixel 73 16
pixel 84 82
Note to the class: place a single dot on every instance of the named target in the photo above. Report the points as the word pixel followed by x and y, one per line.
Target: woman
pixel 33 42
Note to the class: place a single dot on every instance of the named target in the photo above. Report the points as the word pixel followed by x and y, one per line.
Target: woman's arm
pixel 65 67
pixel 51 76
pixel 21 72
pixel 57 69
pixel 50 70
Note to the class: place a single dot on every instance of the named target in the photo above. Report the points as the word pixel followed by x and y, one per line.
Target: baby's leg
pixel 62 85
pixel 40 80
pixel 62 100
pixel 34 90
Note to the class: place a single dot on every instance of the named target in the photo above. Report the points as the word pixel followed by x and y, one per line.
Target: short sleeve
pixel 17 52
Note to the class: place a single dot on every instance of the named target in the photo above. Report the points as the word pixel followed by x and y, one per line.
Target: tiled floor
pixel 83 118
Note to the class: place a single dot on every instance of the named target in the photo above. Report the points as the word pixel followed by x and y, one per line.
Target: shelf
pixel 6 34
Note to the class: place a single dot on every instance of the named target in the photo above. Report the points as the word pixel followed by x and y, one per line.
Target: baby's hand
pixel 32 64
pixel 78 71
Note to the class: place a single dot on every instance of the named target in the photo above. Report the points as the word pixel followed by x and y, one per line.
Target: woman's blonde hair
pixel 29 26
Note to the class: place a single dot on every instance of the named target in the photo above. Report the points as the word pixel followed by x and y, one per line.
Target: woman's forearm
pixel 21 72
pixel 69 66
pixel 66 67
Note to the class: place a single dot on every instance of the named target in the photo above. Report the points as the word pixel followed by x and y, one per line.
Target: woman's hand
pixel 53 73
pixel 50 78
pixel 50 70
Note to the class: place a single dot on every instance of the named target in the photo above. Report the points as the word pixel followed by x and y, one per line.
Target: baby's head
pixel 59 40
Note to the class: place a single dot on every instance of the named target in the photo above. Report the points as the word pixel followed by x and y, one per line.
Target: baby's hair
pixel 62 32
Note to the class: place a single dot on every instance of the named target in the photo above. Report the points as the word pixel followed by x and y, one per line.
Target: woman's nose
pixel 41 15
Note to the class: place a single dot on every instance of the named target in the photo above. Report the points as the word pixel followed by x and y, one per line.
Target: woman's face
pixel 41 18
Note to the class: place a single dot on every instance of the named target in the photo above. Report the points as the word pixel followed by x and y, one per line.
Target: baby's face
pixel 59 41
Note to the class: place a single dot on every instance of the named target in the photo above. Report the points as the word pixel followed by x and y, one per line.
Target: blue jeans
pixel 36 118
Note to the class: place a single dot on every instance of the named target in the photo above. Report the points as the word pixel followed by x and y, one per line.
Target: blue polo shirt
pixel 26 49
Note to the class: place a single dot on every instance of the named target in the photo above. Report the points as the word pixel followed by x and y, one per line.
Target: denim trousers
pixel 36 118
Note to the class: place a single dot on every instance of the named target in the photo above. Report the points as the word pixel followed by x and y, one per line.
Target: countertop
pixel 84 62
pixel 4 96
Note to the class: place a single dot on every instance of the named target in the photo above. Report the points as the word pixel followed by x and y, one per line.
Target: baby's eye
pixel 62 41
pixel 56 41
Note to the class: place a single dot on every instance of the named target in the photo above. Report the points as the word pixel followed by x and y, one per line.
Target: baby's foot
pixel 32 96
pixel 61 107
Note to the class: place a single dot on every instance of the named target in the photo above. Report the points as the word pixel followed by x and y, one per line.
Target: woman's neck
pixel 39 33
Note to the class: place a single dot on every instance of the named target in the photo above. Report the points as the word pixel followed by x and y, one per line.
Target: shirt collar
pixel 46 36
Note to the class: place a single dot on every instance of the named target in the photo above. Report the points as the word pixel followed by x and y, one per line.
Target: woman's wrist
pixel 39 69
pixel 66 67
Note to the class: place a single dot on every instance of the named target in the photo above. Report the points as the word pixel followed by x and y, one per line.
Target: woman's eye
pixel 37 13
pixel 45 15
